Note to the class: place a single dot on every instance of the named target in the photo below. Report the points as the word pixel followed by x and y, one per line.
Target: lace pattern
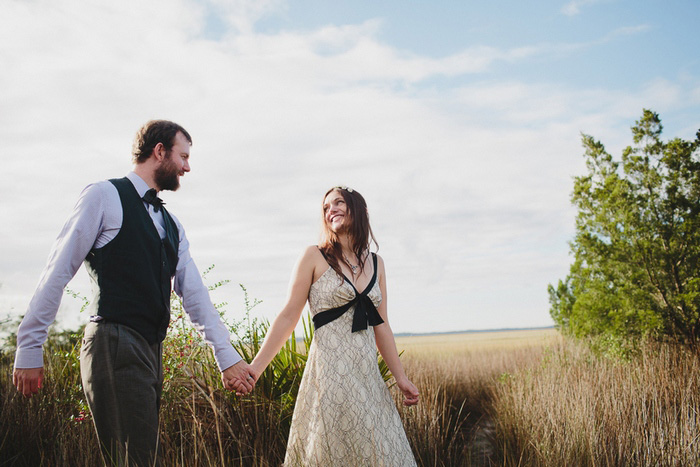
pixel 344 415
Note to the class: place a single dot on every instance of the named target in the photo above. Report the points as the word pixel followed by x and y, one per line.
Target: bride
pixel 344 414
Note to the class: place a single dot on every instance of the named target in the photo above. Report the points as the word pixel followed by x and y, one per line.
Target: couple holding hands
pixel 136 253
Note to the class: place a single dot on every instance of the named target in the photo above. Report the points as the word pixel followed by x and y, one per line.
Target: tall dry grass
pixel 201 424
pixel 456 375
pixel 521 398
pixel 578 408
pixel 50 429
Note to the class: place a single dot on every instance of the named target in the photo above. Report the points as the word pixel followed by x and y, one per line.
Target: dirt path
pixel 482 449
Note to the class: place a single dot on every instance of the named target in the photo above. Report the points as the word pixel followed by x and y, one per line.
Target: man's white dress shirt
pixel 95 221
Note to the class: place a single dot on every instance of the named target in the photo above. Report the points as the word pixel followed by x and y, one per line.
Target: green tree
pixel 637 244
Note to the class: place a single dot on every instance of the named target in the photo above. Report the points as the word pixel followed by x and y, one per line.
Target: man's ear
pixel 159 152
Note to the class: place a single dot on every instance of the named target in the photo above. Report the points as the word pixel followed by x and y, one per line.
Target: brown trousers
pixel 122 378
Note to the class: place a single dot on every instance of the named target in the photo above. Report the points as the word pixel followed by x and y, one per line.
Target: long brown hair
pixel 359 231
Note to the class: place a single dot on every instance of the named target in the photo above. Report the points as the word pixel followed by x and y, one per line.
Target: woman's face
pixel 336 212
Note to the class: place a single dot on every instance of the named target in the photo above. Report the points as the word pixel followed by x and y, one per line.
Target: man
pixel 132 248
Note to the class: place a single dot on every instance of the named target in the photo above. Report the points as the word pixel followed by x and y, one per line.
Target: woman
pixel 344 414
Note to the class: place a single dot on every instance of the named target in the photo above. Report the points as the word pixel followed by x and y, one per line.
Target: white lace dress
pixel 344 414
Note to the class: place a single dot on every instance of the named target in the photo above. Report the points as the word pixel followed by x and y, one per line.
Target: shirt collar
pixel 138 182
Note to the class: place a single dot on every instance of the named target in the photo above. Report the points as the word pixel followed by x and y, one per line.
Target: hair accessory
pixel 343 187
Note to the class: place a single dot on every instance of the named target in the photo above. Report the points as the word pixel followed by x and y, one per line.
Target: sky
pixel 459 122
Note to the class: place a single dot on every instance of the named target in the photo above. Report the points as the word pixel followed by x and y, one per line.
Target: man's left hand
pixel 239 377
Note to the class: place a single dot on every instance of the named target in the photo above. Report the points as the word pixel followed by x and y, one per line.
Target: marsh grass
pixel 456 375
pixel 516 398
pixel 580 408
pixel 201 423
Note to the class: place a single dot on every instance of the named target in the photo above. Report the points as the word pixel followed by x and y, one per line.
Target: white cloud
pixel 468 187
pixel 573 8
pixel 243 14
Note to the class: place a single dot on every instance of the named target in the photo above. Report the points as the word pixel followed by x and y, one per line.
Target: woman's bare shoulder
pixel 380 260
pixel 312 251
pixel 312 255
pixel 380 267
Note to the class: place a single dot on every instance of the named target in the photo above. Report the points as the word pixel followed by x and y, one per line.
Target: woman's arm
pixel 387 345
pixel 287 319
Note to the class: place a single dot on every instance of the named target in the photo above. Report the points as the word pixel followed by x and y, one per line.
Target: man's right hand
pixel 28 381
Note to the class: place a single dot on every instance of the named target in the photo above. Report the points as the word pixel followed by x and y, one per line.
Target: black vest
pixel 133 272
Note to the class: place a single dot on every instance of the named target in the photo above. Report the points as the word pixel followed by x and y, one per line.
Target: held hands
pixel 240 378
pixel 28 381
pixel 409 390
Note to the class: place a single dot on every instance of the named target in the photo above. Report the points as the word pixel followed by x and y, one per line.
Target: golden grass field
pixel 475 341
pixel 533 397
pixel 456 375
pixel 506 398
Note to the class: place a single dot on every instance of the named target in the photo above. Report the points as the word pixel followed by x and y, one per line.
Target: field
pixel 457 375
pixel 502 398
pixel 457 343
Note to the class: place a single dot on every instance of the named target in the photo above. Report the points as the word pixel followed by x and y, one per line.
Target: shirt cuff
pixel 29 358
pixel 226 358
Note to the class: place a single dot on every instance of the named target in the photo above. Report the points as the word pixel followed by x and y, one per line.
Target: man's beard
pixel 166 176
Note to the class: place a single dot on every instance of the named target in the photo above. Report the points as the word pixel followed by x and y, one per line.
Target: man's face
pixel 174 165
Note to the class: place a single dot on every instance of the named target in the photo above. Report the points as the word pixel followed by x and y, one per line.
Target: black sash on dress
pixel 365 311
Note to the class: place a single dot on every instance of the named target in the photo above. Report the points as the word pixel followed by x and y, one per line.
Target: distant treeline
pixel 470 331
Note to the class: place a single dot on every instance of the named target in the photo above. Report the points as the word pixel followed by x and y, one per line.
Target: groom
pixel 135 252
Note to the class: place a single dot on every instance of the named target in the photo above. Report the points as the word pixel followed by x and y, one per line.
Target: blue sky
pixel 617 41
pixel 459 122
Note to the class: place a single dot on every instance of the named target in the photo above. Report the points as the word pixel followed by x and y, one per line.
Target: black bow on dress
pixel 366 313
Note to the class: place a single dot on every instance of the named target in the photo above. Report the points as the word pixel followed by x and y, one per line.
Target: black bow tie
pixel 151 198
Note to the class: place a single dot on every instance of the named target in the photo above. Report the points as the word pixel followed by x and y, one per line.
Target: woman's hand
pixel 240 377
pixel 254 371
pixel 409 390
pixel 257 368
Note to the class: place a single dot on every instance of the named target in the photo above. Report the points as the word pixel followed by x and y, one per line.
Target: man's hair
pixel 152 133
